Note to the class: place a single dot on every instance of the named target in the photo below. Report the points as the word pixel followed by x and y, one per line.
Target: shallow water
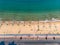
pixel 26 8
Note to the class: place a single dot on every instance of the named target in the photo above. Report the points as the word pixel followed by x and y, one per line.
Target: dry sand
pixel 27 27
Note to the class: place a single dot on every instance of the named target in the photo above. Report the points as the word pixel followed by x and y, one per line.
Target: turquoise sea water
pixel 34 8
pixel 29 5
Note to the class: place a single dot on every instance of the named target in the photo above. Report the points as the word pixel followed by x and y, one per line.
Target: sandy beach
pixel 10 28
pixel 29 27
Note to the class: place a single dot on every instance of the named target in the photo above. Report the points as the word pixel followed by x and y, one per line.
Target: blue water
pixel 30 9
pixel 29 5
